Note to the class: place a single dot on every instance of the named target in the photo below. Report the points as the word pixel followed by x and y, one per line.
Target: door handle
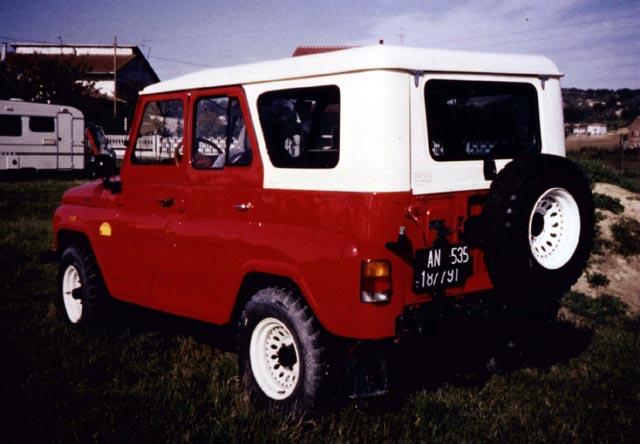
pixel 166 203
pixel 243 206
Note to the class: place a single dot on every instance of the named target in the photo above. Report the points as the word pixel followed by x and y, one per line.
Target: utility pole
pixel 401 35
pixel 115 78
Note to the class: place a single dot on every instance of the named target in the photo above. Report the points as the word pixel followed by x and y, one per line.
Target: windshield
pixel 473 120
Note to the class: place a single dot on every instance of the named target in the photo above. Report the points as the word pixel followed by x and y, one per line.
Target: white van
pixel 40 136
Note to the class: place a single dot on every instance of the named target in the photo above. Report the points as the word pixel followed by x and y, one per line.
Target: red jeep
pixel 332 195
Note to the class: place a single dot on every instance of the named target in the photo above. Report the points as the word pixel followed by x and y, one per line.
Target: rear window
pixel 301 126
pixel 470 120
pixel 10 125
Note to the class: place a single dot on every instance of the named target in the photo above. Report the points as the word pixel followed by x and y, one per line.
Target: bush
pixel 608 203
pixel 626 236
pixel 598 172
pixel 597 280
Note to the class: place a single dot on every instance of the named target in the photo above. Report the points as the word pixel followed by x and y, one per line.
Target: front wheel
pixel 82 291
pixel 280 355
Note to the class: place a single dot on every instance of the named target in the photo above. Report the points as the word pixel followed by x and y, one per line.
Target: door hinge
pixel 416 77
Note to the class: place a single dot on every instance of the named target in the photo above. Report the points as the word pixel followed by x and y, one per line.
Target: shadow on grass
pixel 467 352
pixel 136 320
pixel 462 349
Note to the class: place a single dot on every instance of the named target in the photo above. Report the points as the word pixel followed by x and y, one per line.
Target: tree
pixel 45 79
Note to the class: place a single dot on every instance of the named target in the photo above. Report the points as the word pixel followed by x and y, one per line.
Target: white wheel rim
pixel 70 282
pixel 554 228
pixel 272 353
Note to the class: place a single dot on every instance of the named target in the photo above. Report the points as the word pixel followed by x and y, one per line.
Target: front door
pixel 153 195
pixel 200 264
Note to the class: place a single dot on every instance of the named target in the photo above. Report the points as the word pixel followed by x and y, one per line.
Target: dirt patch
pixel 623 272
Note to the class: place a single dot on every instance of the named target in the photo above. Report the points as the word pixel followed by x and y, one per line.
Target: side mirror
pixel 102 166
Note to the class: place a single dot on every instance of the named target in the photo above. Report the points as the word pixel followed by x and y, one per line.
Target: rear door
pixel 65 140
pixel 462 126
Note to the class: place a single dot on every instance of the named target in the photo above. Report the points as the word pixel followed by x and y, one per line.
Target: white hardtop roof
pixel 361 59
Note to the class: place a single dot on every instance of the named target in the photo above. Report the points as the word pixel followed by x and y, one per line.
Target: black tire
pixel 92 294
pixel 523 282
pixel 310 389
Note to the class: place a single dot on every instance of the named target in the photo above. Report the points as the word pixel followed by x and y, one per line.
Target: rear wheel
pixel 281 358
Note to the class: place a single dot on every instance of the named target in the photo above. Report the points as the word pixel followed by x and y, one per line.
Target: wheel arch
pixel 253 281
pixel 66 237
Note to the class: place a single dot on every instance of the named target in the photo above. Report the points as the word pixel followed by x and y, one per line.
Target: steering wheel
pixel 211 144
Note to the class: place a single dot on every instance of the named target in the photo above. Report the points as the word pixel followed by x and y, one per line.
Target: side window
pixel 159 139
pixel 220 134
pixel 41 124
pixel 302 126
pixel 10 126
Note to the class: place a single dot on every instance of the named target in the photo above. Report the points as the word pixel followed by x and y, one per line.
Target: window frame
pixel 142 105
pixel 533 93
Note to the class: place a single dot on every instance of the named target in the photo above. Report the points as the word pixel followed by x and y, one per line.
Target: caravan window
pixel 10 126
pixel 41 124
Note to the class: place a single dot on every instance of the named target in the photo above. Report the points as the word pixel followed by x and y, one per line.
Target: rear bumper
pixel 421 320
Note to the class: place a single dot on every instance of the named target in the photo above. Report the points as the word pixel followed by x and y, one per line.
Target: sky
pixel 596 43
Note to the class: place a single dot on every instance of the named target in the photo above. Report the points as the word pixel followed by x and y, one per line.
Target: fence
pixel 118 142
pixel 152 146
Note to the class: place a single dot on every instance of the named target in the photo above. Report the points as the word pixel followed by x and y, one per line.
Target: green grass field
pixel 151 377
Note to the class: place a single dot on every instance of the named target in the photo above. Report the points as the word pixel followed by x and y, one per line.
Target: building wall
pixel 597 130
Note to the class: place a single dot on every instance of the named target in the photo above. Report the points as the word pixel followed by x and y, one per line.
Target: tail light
pixel 375 281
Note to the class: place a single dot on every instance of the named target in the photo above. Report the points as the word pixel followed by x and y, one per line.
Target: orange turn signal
pixel 376 281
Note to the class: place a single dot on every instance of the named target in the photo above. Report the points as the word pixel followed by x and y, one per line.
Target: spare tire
pixel 539 223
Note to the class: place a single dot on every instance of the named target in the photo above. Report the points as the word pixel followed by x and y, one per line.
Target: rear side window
pixel 41 124
pixel 10 126
pixel 160 137
pixel 302 126
pixel 470 120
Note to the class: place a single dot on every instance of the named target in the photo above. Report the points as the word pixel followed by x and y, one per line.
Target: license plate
pixel 441 267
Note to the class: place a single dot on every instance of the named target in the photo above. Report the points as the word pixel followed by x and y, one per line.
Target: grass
pixel 605 309
pixel 152 377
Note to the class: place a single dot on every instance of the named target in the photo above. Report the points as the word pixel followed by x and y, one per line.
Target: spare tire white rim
pixel 274 357
pixel 70 282
pixel 554 228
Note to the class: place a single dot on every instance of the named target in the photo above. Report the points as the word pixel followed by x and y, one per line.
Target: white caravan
pixel 41 136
